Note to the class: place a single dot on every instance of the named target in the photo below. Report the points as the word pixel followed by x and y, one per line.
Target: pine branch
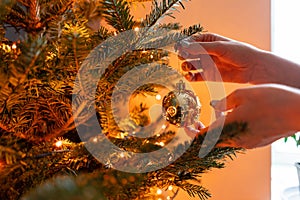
pixel 28 15
pixel 192 30
pixel 196 190
pixel 160 10
pixel 117 14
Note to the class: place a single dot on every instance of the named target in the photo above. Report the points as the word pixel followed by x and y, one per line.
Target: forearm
pixel 277 70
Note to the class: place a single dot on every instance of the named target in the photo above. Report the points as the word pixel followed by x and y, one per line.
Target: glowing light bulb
pixel 170 187
pixel 168 198
pixel 158 97
pixel 136 29
pixel 151 56
pixel 14 46
pixel 164 126
pixel 95 140
pixel 159 191
pixel 162 144
pixel 58 143
pixel 122 155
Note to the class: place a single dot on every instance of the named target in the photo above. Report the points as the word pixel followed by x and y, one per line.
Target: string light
pixel 162 144
pixel 164 126
pixel 168 198
pixel 136 29
pixel 122 155
pixel 158 97
pixel 159 191
pixel 170 187
pixel 95 140
pixel 14 46
pixel 58 144
pixel 122 135
pixel 151 56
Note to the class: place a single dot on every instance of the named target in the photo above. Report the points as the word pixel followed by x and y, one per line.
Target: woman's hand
pixel 270 111
pixel 235 61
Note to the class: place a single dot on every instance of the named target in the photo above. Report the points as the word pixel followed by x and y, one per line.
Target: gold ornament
pixel 181 107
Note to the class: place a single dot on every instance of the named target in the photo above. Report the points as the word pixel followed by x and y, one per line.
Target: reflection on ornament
pixel 181 107
pixel 172 111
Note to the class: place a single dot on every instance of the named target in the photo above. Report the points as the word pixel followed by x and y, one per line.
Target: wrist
pixel 275 69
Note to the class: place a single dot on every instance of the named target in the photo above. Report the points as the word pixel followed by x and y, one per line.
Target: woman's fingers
pixel 193 131
pixel 206 37
pixel 189 49
pixel 194 76
pixel 230 102
pixel 192 65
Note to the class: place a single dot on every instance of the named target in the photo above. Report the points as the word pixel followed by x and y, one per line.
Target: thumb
pixel 232 101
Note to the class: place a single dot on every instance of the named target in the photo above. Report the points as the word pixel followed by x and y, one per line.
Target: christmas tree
pixel 63 83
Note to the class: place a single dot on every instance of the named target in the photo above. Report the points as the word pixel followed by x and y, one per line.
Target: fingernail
pixel 213 103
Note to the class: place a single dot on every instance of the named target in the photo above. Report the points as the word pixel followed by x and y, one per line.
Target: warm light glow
pixel 122 155
pixel 159 191
pixel 151 56
pixel 168 198
pixel 162 144
pixel 157 135
pixel 95 140
pixel 164 126
pixel 144 51
pixel 158 97
pixel 159 199
pixel 115 33
pixel 170 187
pixel 58 143
pixel 136 29
pixel 14 46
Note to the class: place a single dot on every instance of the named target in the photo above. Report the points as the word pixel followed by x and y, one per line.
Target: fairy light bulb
pixel 14 46
pixel 158 97
pixel 170 187
pixel 136 29
pixel 159 191
pixel 58 144
pixel 162 144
